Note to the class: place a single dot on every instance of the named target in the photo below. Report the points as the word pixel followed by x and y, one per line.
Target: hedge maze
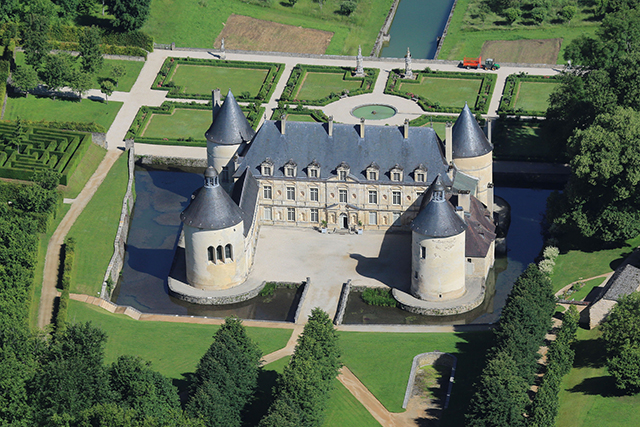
pixel 23 153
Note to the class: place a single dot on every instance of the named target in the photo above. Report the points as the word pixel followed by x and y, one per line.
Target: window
pixel 415 274
pixel 313 173
pixel 224 176
pixel 343 171
pixel 267 192
pixel 291 214
pixel 372 171
pixel 396 173
pixel 313 194
pixel 266 170
pixel 423 252
pixel 373 218
pixel 396 219
pixel 219 254
pixel 342 175
pixel 291 193
pixel 420 173
pixel 395 196
pixel 420 177
pixel 314 215
pixel 373 196
pixel 343 196
pixel 211 256
pixel 289 171
pixel 373 175
pixel 267 214
pixel 395 176
pixel 313 169
pixel 228 252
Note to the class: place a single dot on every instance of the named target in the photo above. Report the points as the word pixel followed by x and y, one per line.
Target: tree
pixel 107 88
pixel 90 51
pixel 292 2
pixel 35 39
pixel 130 14
pixel 347 7
pixel 512 15
pixel 567 13
pixel 80 82
pixel 47 178
pixel 538 15
pixel 25 78
pixel 69 8
pixel 56 71
pixel 118 71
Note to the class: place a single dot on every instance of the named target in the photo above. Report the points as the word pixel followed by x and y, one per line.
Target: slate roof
pixel 230 126
pixel 305 142
pixel 623 283
pixel 245 194
pixel 211 208
pixel 480 230
pixel 438 218
pixel 468 139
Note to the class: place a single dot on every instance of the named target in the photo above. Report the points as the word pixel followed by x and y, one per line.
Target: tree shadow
pixel 262 400
pixel 589 353
pixel 598 386
pixel 618 261
pixel 183 384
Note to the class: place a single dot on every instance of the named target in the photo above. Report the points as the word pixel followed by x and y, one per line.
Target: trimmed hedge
pixel 145 113
pixel 4 75
pixel 318 115
pixel 69 33
pixel 428 118
pixel 77 126
pixel 67 256
pixel 300 70
pixel 106 49
pixel 482 100
pixel 163 79
pixel 508 101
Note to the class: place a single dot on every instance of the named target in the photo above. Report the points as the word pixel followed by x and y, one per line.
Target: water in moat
pixel 160 197
pixel 162 194
pixel 417 25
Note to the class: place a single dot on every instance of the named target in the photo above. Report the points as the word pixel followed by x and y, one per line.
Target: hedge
pixel 163 78
pixel 482 100
pixel 67 256
pixel 297 78
pixel 106 49
pixel 318 115
pixel 69 33
pixel 77 126
pixel 4 75
pixel 507 103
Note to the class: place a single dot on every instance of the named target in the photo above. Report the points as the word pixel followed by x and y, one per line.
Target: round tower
pixel 213 237
pixel 437 248
pixel 227 136
pixel 472 152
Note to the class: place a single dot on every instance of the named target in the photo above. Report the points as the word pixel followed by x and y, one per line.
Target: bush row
pixel 509 94
pixel 379 296
pixel 67 255
pixel 75 126
pixel 298 73
pixel 163 79
pixel 283 109
pixel 106 49
pixel 69 33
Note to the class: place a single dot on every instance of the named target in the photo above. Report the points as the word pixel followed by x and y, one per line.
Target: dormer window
pixel 290 169
pixel 313 170
pixel 343 171
pixel 373 171
pixel 396 173
pixel 266 167
pixel 420 173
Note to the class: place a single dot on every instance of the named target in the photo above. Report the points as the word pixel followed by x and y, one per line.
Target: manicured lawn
pixel 577 264
pixel 197 24
pixel 95 230
pixel 132 69
pixel 588 286
pixel 588 397
pixel 83 172
pixel 173 348
pixel 43 241
pixel 382 361
pixel 202 79
pixel 464 41
pixel 534 96
pixel 183 123
pixel 523 142
pixel 48 109
pixel 301 118
pixel 448 92
pixel 320 85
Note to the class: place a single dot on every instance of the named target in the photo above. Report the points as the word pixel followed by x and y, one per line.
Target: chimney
pixel 464 200
pixel 361 128
pixel 406 128
pixel 490 197
pixel 283 123
pixel 215 102
pixel 448 143
pixel 330 126
pixel 460 212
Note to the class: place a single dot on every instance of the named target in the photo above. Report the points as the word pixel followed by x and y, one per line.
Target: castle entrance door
pixel 344 221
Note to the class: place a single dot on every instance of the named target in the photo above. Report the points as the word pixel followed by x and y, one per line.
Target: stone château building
pixel 344 177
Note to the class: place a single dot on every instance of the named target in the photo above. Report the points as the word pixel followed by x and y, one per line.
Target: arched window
pixel 219 253
pixel 228 252
pixel 210 254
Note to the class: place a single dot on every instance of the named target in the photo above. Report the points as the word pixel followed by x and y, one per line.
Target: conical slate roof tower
pixel 468 139
pixel 437 217
pixel 230 126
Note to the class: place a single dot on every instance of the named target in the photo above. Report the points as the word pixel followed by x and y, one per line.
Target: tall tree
pixel 107 88
pixel 80 82
pixel 25 78
pixel 118 71
pixel 130 14
pixel 90 50
pixel 35 39
pixel 56 71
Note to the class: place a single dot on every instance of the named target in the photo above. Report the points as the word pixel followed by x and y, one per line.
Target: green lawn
pixel 382 361
pixel 48 109
pixel 84 171
pixel 588 397
pixel 132 69
pixel 463 41
pixel 534 96
pixel 201 79
pixel 449 92
pixel 95 229
pixel 577 264
pixel 588 286
pixel 197 24
pixel 173 348
pixel 523 142
pixel 320 85
pixel 183 123
pixel 300 118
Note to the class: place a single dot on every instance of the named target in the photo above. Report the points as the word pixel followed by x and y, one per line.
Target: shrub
pixel 512 14
pixel 269 289
pixel 379 296
pixel 546 266
pixel 538 15
pixel 551 252
pixel 347 7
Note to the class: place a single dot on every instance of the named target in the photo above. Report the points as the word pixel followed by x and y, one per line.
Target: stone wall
pixel 342 304
pixel 302 298
pixel 383 35
pixel 100 139
pixel 446 29
pixel 117 260
pixel 431 358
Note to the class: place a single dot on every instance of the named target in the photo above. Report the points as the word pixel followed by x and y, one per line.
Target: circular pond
pixel 374 112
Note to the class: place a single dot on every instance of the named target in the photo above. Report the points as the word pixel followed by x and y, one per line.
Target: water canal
pixel 417 25
pixel 163 194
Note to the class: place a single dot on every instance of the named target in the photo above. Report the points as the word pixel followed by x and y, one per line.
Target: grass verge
pixel 320 85
pixel 534 96
pixel 84 171
pixel 447 92
pixel 200 78
pixel 183 123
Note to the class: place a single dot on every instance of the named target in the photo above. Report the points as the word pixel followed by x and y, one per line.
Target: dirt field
pixel 523 51
pixel 242 32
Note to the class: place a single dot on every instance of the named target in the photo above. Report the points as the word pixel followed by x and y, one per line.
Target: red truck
pixel 472 62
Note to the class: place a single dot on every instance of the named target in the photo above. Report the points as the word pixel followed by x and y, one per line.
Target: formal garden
pixel 299 114
pixel 191 78
pixel 525 95
pixel 440 91
pixel 319 85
